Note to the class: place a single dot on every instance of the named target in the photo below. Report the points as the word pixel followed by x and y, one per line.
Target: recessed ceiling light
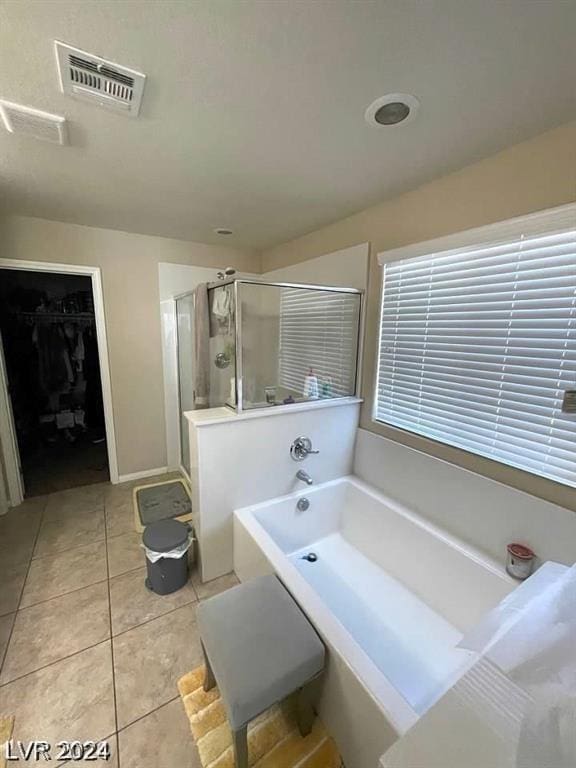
pixel 223 231
pixel 392 109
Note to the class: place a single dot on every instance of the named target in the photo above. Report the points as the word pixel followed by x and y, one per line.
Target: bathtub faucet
pixel 304 476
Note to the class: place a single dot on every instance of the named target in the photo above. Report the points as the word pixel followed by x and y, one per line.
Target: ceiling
pixel 252 116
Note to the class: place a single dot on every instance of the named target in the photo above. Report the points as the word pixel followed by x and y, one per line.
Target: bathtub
pixel 389 593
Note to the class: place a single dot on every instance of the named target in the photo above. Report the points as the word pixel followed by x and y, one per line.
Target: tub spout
pixel 304 476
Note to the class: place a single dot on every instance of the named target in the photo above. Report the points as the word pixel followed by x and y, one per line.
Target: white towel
pixel 516 705
pixel 222 306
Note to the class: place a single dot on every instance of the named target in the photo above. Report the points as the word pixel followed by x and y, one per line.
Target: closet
pixel 48 331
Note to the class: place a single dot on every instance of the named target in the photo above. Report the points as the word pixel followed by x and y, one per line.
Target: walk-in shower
pixel 269 344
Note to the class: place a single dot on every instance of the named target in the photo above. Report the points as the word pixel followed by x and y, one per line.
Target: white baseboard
pixel 144 473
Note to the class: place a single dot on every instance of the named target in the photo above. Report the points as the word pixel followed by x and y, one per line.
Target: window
pixel 319 331
pixel 478 343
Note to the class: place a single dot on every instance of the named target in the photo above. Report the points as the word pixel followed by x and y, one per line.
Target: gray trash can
pixel 166 543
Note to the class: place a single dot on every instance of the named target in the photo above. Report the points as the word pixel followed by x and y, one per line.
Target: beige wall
pixel 537 174
pixel 129 265
pixel 533 175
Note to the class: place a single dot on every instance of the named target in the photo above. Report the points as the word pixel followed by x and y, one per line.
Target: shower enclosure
pixel 269 344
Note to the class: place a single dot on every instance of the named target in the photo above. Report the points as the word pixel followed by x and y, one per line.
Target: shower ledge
pixel 209 416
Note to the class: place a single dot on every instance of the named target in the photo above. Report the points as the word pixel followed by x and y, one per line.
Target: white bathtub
pixel 389 593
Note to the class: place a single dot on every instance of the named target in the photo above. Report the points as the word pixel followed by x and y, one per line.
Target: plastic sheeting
pixel 516 706
pixel 175 553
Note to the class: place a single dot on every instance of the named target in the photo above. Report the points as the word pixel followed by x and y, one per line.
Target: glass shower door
pixel 185 335
pixel 299 343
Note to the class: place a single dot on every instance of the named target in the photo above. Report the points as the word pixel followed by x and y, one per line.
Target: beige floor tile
pixel 31 504
pixel 157 479
pixel 15 554
pixel 58 574
pixel 214 587
pixel 112 762
pixel 71 509
pixel 84 499
pixel 149 659
pixel 64 533
pixel 5 629
pixel 132 603
pixel 57 628
pixel 118 495
pixel 20 523
pixel 11 583
pixel 18 530
pixel 71 699
pixel 125 553
pixel 120 519
pixel 160 740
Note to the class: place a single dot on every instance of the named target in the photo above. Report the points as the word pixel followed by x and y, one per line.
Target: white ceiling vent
pixel 86 76
pixel 34 123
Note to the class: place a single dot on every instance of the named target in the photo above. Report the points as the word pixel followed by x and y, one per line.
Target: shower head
pixel 228 272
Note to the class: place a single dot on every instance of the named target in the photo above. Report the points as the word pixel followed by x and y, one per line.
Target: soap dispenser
pixel 311 385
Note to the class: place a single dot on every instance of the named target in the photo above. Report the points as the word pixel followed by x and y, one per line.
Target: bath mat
pixel 6 728
pixel 273 738
pixel 169 499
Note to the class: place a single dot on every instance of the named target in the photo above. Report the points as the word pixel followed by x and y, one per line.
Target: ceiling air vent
pixel 33 123
pixel 88 77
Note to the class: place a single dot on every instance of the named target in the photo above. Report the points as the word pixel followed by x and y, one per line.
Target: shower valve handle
pixel 300 448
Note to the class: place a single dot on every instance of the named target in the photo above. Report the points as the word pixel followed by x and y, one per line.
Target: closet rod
pixel 33 318
pixel 56 315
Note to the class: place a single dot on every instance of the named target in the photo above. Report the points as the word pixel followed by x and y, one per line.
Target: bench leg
pixel 209 679
pixel 305 707
pixel 240 739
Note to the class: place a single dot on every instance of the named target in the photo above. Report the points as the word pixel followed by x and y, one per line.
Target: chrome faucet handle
pixel 300 448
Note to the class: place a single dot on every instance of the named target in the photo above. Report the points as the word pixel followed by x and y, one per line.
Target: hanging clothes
pixel 79 352
pixel 54 367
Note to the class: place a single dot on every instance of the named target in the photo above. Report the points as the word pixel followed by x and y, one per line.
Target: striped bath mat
pixel 273 738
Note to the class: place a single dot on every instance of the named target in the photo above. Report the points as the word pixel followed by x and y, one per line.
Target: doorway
pixel 48 326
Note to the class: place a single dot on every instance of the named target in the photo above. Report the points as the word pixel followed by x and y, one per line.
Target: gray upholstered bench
pixel 259 648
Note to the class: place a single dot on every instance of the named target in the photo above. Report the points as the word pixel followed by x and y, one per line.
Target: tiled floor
pixel 86 651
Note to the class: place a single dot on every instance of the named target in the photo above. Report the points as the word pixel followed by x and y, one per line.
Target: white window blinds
pixel 478 346
pixel 319 331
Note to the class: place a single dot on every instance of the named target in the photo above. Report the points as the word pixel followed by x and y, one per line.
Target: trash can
pixel 166 543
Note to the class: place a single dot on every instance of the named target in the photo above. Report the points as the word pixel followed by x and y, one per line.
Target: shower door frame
pixel 236 281
pixel 181 437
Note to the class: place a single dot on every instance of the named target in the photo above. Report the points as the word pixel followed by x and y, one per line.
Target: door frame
pixel 11 492
pixel 8 440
